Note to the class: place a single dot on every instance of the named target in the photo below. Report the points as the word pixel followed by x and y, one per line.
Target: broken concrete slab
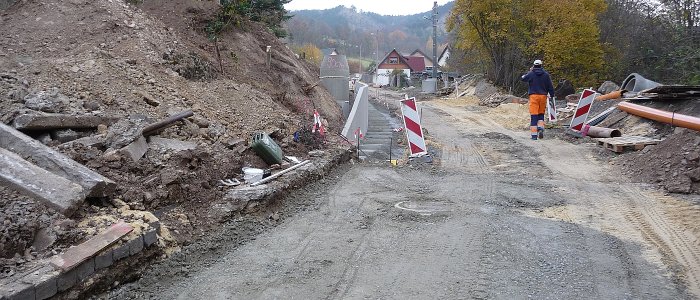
pixel 95 185
pixel 65 135
pixel 136 149
pixel 238 199
pixel 170 144
pixel 60 121
pixel 48 101
pixel 53 190
pixel 78 254
pixel 88 141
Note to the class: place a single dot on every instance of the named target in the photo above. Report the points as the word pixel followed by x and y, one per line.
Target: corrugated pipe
pixel 672 118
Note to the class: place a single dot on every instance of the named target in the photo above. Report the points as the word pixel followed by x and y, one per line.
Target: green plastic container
pixel 265 147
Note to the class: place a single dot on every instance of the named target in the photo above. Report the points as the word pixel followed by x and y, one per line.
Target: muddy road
pixel 497 216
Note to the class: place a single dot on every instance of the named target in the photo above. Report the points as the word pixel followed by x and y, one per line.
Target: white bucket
pixel 251 175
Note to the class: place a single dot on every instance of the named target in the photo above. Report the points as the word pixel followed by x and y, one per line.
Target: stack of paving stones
pixel 45 280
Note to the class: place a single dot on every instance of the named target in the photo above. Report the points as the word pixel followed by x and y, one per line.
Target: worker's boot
pixel 540 132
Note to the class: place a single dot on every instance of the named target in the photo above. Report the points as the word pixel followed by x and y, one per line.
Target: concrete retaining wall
pixel 359 116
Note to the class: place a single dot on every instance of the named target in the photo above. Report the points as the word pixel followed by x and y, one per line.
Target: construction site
pixel 139 159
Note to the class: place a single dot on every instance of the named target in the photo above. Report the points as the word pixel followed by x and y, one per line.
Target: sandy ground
pixel 496 216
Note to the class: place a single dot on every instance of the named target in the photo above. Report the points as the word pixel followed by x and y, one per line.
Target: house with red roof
pixel 413 63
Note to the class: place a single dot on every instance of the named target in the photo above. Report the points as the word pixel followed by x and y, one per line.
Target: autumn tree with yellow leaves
pixel 509 34
pixel 311 53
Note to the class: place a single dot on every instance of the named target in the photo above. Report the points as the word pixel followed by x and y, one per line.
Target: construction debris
pixel 52 190
pixel 94 184
pixel 44 121
pixel 155 127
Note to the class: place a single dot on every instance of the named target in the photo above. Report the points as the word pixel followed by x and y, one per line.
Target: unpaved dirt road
pixel 497 216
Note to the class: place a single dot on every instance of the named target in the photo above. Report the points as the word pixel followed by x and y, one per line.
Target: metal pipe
pixel 268 179
pixel 602 132
pixel 152 128
pixel 667 117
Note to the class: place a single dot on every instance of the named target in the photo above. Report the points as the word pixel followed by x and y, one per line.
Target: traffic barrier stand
pixel 414 130
pixel 582 109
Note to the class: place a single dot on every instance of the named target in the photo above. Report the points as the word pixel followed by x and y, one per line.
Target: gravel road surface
pixel 496 216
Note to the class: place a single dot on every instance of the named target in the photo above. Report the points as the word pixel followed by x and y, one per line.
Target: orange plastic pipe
pixel 672 118
pixel 610 96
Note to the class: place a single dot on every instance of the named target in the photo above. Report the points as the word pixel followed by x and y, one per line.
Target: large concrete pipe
pixel 602 132
pixel 636 83
pixel 672 118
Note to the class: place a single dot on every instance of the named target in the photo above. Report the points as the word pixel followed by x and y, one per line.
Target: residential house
pixel 444 55
pixel 412 65
pixel 392 61
pixel 428 61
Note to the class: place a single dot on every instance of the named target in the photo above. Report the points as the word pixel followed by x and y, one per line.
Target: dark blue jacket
pixel 539 82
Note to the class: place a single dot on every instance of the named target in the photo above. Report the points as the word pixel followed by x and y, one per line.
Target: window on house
pixel 394 60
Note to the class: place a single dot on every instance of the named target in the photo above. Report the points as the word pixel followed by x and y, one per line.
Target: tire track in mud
pixel 485 264
pixel 461 156
pixel 671 241
pixel 349 274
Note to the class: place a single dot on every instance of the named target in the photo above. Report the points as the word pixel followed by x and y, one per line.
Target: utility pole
pixel 435 20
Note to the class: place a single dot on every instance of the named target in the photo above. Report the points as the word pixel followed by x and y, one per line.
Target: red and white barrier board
pixel 551 109
pixel 318 125
pixel 582 110
pixel 414 131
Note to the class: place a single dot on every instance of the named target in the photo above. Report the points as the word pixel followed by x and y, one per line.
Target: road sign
pixel 414 130
pixel 582 110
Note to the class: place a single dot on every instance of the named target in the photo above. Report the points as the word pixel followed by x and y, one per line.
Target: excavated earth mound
pixel 142 64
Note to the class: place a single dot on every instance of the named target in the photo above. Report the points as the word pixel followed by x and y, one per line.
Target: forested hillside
pixel 356 33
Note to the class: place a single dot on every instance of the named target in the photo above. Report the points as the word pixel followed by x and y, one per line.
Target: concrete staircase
pixel 375 146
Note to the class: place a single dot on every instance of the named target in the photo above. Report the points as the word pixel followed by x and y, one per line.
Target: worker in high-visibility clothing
pixel 539 85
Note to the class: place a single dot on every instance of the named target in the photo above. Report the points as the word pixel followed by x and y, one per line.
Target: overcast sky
pixel 382 7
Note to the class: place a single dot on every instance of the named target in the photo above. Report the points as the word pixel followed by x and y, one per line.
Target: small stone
pixel 317 153
pixel 91 105
pixel 150 100
pixel 102 129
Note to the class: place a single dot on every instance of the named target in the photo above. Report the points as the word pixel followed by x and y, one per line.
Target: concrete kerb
pixel 248 199
pixel 45 281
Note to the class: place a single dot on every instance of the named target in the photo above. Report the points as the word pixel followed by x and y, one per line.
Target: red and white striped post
pixel 414 130
pixel 551 110
pixel 582 110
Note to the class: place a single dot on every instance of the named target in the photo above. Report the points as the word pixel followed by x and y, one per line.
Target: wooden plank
pixel 78 254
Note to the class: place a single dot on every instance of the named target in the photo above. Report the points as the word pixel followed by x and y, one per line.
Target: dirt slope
pixel 143 63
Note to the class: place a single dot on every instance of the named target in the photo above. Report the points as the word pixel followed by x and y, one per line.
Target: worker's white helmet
pixel 537 62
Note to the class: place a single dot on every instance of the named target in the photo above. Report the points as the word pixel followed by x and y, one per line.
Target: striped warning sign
pixel 414 131
pixel 582 110
pixel 551 109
